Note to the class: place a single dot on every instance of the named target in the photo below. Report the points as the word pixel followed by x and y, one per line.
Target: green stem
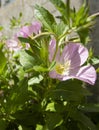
pixel 42 34
pixel 55 51
pixel 67 32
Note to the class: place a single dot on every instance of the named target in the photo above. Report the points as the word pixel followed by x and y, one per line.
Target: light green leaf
pixel 51 107
pixel 26 60
pixel 35 80
pixel 39 127
pixel 95 60
pixel 2 61
pixel 40 68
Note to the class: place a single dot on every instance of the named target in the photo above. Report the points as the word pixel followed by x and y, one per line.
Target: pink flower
pixel 27 31
pixel 69 63
pixel 13 45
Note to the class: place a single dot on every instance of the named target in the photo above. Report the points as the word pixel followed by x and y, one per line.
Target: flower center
pixel 63 69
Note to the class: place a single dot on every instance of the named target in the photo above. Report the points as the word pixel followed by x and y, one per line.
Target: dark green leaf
pixel 84 120
pixel 17 97
pixel 70 90
pixel 89 107
pixel 45 17
pixel 25 40
pixel 3 124
pixel 53 120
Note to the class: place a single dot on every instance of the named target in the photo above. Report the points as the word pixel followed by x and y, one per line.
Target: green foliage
pixel 2 61
pixel 29 98
pixel 69 91
pixel 14 22
pixel 45 16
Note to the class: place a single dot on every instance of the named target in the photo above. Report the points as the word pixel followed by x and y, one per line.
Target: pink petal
pixel 86 74
pixel 76 53
pixel 55 75
pixel 83 51
pixel 52 47
pixel 25 31
pixel 35 27
pixel 70 52
pixel 11 43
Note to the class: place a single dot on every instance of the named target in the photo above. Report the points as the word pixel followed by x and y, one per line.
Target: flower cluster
pixel 25 31
pixel 68 61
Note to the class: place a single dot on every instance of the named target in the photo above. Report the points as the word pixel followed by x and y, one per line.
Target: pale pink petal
pixel 35 27
pixel 76 53
pixel 55 75
pixel 83 52
pixel 70 52
pixel 27 46
pixel 86 74
pixel 52 47
pixel 11 43
pixel 25 31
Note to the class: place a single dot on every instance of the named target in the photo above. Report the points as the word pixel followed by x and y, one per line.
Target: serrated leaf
pixel 59 4
pixel 45 17
pixel 64 9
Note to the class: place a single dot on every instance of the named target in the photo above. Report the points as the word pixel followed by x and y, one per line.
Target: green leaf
pixel 95 60
pixel 2 61
pixel 45 17
pixel 39 127
pixel 60 29
pixel 17 97
pixel 51 107
pixel 53 120
pixel 3 124
pixel 63 9
pixel 40 69
pixel 35 80
pixel 25 40
pixel 27 60
pixel 59 4
pixel 81 15
pixel 89 107
pixel 70 90
pixel 84 120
